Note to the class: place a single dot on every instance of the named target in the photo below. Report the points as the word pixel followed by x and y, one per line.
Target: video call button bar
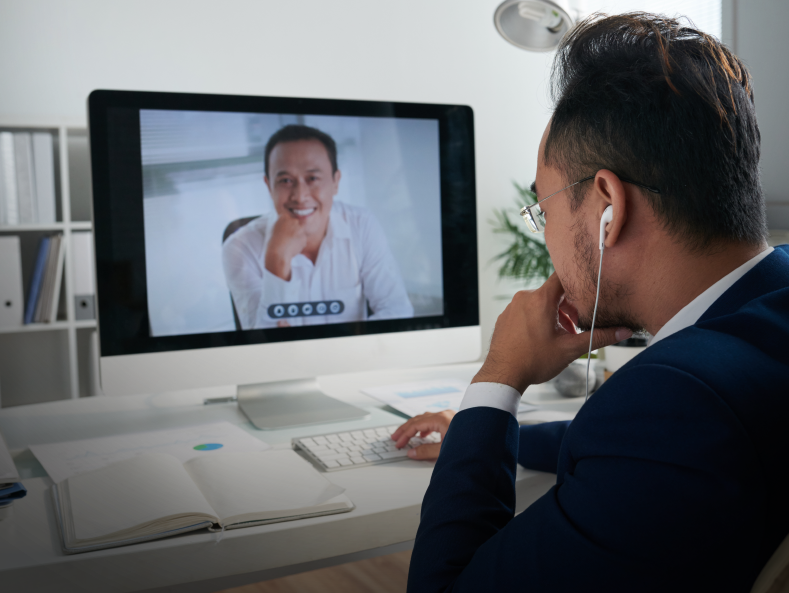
pixel 285 310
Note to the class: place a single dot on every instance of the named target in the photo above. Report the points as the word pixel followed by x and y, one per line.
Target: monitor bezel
pixel 124 329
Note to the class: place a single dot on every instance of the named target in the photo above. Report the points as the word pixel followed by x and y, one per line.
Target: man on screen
pixel 313 260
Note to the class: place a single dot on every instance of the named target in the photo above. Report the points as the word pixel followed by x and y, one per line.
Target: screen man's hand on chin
pixel 535 338
pixel 423 425
pixel 288 239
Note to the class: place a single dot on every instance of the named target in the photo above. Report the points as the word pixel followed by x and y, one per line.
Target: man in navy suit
pixel 674 476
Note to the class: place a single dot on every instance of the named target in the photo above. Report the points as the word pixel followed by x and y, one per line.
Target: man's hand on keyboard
pixel 422 426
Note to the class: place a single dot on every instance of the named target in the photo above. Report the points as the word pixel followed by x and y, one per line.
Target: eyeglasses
pixel 535 217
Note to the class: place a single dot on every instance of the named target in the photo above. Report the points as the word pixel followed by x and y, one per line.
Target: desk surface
pixel 387 497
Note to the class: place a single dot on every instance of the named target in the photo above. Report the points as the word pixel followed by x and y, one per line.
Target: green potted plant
pixel 526 259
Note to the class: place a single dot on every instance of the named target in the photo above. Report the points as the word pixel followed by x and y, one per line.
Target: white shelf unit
pixel 49 361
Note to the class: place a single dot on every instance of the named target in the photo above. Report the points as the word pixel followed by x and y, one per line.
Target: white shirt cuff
pixel 491 395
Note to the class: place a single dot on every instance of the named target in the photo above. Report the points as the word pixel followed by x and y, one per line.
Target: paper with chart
pixel 419 397
pixel 64 460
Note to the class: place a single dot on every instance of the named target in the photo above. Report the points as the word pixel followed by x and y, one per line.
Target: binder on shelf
pixel 9 208
pixel 84 286
pixel 46 280
pixel 25 184
pixel 11 299
pixel 44 167
pixel 52 314
pixel 35 281
pixel 46 309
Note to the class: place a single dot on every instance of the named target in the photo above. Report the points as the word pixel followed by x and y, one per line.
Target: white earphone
pixel 608 215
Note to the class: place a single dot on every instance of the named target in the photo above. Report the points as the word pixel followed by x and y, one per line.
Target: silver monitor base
pixel 282 404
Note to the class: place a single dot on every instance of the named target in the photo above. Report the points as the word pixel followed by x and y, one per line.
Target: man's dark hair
pixel 296 132
pixel 667 106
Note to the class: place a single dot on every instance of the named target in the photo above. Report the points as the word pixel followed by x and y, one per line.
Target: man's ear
pixel 336 177
pixel 611 192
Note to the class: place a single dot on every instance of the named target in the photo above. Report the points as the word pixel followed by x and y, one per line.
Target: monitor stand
pixel 282 404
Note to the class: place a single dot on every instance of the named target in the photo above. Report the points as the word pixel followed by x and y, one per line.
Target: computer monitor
pixel 263 241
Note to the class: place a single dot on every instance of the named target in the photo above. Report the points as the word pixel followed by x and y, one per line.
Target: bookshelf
pixel 48 361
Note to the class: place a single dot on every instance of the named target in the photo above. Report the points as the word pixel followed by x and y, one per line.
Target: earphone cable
pixel 594 317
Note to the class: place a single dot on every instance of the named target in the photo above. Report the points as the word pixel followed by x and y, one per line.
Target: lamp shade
pixel 536 25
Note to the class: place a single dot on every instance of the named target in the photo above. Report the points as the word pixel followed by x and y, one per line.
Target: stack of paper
pixel 413 399
pixel 11 488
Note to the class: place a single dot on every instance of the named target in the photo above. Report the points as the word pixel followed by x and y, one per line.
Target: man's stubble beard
pixel 612 310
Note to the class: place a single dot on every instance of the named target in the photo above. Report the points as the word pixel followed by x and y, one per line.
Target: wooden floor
pixel 385 574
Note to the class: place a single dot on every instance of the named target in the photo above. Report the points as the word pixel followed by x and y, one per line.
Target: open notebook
pixel 154 495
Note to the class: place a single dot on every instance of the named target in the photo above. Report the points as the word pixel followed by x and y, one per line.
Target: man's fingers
pixel 409 430
pixel 428 451
pixel 604 336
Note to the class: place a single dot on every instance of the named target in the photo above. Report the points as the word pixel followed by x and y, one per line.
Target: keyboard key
pixel 394 454
pixel 379 449
pixel 320 440
pixel 307 441
pixel 367 452
pixel 318 448
pixel 332 456
pixel 331 463
pixel 382 431
pixel 357 434
pixel 372 457
pixel 345 462
pixel 358 460
pixel 346 437
pixel 369 432
pixel 333 438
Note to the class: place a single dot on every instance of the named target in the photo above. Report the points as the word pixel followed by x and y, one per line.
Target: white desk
pixel 387 497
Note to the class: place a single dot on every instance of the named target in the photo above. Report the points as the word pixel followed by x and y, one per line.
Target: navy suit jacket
pixel 674 476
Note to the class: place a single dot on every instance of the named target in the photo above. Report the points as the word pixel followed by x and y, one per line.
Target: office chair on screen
pixel 774 577
pixel 229 230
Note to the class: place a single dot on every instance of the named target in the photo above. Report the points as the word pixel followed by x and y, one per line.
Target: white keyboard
pixel 357 448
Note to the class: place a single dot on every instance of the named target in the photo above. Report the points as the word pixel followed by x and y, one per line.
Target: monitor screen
pixel 277 220
pixel 225 221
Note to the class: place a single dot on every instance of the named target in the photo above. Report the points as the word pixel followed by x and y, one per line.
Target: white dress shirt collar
pixel 693 311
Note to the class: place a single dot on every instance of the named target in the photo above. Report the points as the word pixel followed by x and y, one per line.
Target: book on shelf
pixel 154 495
pixel 44 293
pixel 27 178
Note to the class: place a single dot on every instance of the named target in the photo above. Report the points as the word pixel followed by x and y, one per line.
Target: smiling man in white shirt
pixel 313 260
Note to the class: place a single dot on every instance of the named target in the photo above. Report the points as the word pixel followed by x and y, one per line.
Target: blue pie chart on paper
pixel 208 447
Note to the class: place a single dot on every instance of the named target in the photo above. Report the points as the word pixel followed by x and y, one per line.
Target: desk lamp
pixel 535 25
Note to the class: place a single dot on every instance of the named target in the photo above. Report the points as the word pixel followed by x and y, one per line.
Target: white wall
pixel 760 39
pixel 53 53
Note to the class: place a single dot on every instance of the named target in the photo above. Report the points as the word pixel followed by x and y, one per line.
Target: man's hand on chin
pixel 534 339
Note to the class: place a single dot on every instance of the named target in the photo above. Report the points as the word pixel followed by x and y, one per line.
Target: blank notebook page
pixel 242 484
pixel 132 492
